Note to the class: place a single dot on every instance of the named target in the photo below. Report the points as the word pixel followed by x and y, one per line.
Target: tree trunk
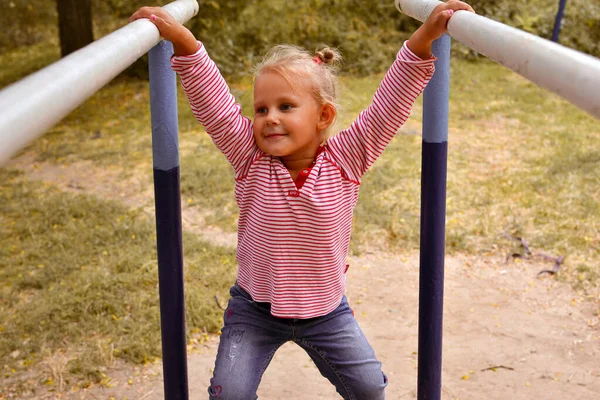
pixel 74 24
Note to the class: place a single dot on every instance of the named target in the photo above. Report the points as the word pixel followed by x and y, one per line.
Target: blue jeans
pixel 335 342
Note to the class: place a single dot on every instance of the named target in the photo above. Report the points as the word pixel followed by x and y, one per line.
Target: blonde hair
pixel 298 67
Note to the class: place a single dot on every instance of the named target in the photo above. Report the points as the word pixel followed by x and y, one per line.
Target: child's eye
pixel 285 107
pixel 261 110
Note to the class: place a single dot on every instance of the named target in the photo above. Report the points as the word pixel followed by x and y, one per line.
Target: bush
pixel 366 33
pixel 26 22
pixel 236 32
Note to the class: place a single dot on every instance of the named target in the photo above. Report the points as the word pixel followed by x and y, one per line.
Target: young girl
pixel 296 193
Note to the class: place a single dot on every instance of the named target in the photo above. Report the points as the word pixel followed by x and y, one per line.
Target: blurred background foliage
pixel 368 33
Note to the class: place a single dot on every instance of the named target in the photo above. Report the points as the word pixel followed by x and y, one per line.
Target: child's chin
pixel 277 153
pixel 273 151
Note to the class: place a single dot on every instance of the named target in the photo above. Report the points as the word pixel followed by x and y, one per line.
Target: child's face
pixel 287 121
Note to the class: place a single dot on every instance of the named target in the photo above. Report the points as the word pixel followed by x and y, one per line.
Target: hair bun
pixel 328 55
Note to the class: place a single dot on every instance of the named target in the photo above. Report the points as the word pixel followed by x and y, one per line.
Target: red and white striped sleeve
pixel 357 147
pixel 214 106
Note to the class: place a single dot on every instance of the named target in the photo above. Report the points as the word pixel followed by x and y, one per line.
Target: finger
pixel 160 23
pixel 460 5
pixel 134 16
pixel 442 18
pixel 144 12
pixel 138 15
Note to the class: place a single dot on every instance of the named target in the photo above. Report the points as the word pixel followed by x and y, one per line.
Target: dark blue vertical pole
pixel 165 153
pixel 558 20
pixel 433 215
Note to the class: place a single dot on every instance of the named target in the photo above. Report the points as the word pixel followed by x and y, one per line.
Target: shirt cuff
pixel 180 62
pixel 406 54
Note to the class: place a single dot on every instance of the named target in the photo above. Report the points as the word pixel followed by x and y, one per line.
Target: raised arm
pixel 357 147
pixel 211 101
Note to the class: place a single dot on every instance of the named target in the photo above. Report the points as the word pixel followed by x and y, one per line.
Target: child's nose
pixel 272 118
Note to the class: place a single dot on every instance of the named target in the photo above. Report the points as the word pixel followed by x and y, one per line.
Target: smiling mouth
pixel 275 135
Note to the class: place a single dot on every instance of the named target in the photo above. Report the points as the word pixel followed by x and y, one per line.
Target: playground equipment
pixel 52 93
pixel 571 74
pixel 558 20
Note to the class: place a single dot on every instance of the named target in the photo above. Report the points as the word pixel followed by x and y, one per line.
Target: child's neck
pixel 297 165
pixel 298 162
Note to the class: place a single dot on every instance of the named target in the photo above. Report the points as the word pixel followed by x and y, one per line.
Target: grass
pixel 522 161
pixel 79 274
pixel 23 61
pixel 79 278
pixel 523 167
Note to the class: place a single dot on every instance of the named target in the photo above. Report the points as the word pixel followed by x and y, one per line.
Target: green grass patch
pixel 523 161
pixel 20 62
pixel 207 183
pixel 79 277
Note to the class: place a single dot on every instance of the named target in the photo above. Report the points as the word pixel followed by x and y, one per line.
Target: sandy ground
pixel 536 332
pixel 507 333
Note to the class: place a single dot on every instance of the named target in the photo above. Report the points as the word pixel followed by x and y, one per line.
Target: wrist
pixel 420 43
pixel 185 44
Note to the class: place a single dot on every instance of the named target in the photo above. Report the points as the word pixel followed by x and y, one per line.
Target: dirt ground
pixel 507 333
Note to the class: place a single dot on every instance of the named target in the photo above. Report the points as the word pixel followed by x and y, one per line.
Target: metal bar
pixel 165 152
pixel 558 21
pixel 433 223
pixel 573 75
pixel 31 106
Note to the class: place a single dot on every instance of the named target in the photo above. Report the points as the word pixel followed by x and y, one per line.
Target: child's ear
pixel 326 116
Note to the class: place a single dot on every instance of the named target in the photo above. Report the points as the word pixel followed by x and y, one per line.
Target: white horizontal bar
pixel 573 75
pixel 31 106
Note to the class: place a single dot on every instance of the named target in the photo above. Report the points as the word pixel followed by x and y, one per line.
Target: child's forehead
pixel 267 82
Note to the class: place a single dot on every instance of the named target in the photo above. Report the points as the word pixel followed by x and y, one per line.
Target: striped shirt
pixel 293 243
